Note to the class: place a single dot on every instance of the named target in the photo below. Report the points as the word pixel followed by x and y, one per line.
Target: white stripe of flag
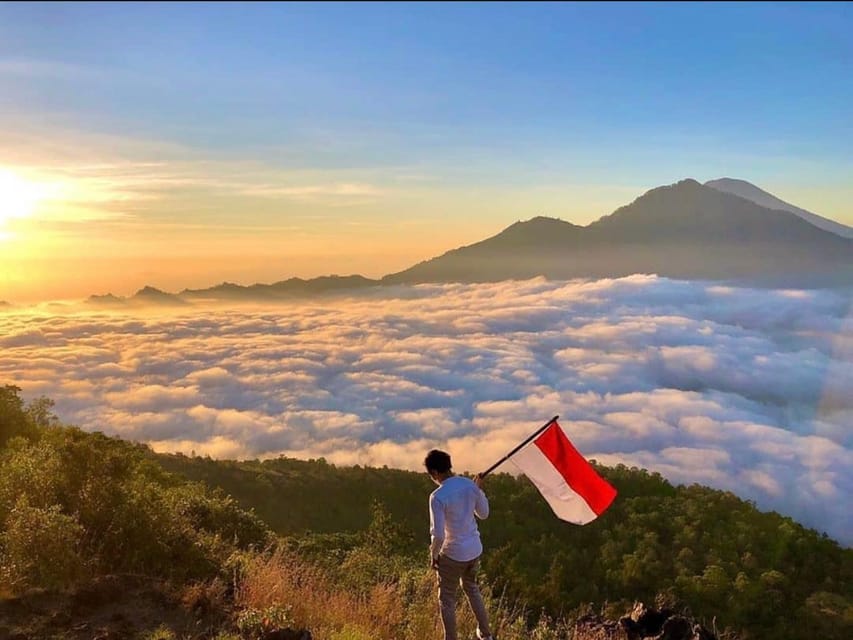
pixel 565 479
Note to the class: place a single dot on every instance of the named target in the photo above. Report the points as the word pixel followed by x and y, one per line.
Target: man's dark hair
pixel 437 461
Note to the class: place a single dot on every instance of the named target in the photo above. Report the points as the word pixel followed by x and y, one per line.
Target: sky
pixel 182 145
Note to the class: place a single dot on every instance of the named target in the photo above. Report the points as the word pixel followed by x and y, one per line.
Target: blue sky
pixel 565 109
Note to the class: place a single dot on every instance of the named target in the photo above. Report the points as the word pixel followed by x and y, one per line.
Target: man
pixel 455 546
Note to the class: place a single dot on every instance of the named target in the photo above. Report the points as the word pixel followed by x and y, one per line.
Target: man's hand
pixel 478 480
pixel 433 562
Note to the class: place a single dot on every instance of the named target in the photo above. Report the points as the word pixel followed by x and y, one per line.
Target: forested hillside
pixel 754 571
pixel 77 508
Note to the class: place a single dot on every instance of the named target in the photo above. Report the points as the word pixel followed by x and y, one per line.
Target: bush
pixel 29 469
pixel 14 420
pixel 40 547
pixel 67 494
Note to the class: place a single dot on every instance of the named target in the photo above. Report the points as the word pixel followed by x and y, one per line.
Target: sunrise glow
pixel 265 267
pixel 19 197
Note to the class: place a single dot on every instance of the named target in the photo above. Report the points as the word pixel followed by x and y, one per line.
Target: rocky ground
pixel 643 623
pixel 109 608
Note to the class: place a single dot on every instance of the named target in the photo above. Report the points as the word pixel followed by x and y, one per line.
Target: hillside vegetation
pixel 342 551
pixel 761 573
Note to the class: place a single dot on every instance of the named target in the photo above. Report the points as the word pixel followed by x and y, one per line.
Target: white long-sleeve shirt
pixel 452 525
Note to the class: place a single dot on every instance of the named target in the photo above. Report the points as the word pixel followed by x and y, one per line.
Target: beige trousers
pixel 451 574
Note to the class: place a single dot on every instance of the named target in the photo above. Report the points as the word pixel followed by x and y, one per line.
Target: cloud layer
pixel 740 389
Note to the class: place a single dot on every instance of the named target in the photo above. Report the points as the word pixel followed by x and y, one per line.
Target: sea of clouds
pixel 748 390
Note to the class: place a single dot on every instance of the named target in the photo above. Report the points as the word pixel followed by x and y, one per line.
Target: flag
pixel 565 479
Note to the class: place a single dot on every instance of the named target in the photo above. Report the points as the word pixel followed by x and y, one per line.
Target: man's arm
pixel 436 527
pixel 481 506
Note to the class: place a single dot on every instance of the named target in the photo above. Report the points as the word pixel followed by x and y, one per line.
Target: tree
pixel 14 420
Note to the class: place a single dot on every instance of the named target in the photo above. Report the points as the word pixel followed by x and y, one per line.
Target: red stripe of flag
pixel 574 468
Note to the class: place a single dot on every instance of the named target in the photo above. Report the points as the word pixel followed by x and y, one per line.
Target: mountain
pixel 145 296
pixel 153 296
pixel 285 289
pixel 525 249
pixel 5 305
pixel 106 300
pixel 293 287
pixel 726 230
pixel 686 230
pixel 749 191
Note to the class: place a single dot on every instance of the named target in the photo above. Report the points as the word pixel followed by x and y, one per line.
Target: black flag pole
pixel 507 456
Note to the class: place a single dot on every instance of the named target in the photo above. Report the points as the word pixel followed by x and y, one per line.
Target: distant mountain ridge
pixel 283 290
pixel 149 296
pixel 726 230
pixel 749 191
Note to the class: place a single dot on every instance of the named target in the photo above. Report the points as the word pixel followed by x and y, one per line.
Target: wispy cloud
pixel 744 390
pixel 334 192
pixel 49 69
pixel 105 176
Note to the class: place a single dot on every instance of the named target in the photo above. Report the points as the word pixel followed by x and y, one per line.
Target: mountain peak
pixel 685 187
pixel 536 222
pixel 538 230
pixel 543 220
pixel 726 181
pixel 148 290
pixel 690 212
pixel 687 182
pixel 153 295
pixel 105 299
pixel 748 191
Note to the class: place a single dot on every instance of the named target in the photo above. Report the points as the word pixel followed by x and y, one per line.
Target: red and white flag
pixel 565 479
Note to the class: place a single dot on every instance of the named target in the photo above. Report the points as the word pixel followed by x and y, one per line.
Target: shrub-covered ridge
pixel 349 561
pixel 75 504
pixel 761 573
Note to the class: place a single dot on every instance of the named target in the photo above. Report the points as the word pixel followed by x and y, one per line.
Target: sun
pixel 19 197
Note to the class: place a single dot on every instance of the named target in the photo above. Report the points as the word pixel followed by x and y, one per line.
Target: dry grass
pixel 315 601
pixel 406 609
pixel 204 598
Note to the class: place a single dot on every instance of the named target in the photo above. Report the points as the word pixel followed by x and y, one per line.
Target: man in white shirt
pixel 455 546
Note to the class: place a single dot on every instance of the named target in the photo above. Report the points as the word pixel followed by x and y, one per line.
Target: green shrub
pixel 67 494
pixel 29 469
pixel 14 419
pixel 40 547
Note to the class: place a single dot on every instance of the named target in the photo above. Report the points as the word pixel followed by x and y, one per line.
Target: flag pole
pixel 507 456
